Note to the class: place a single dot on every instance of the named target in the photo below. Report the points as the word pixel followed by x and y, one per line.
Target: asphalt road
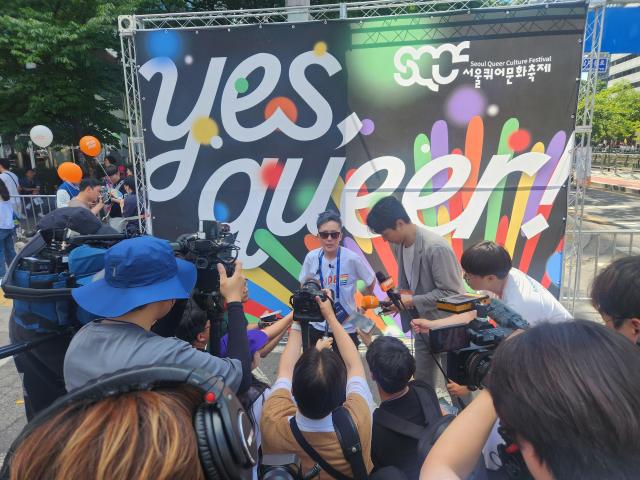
pixel 604 210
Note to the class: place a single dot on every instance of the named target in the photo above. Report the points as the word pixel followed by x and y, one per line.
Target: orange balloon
pixel 90 145
pixel 70 172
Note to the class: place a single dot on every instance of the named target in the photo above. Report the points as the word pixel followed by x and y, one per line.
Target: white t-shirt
pixel 12 182
pixel 531 300
pixel 62 198
pixel 352 269
pixel 6 215
pixel 407 260
pixel 256 411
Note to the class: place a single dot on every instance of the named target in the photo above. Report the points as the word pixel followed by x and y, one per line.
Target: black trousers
pixel 41 369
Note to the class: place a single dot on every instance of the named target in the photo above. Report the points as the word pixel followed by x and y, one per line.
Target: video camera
pixel 470 347
pixel 212 244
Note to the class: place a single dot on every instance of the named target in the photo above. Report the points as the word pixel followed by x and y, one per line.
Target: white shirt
pixel 256 411
pixel 6 215
pixel 407 260
pixel 12 182
pixel 357 385
pixel 531 300
pixel 62 198
pixel 352 269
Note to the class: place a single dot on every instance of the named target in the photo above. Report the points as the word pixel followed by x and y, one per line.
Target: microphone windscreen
pixel 370 302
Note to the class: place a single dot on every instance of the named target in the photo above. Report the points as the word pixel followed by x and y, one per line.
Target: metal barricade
pixel 599 249
pixel 30 208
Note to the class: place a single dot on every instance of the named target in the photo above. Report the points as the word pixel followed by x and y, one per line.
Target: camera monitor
pixel 447 339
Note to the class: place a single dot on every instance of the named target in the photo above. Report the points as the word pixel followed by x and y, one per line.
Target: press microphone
pixel 369 302
pixel 389 287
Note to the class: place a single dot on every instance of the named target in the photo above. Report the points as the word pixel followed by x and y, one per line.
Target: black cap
pixel 78 219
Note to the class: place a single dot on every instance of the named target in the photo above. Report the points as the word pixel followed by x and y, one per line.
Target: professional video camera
pixel 40 279
pixel 213 244
pixel 470 347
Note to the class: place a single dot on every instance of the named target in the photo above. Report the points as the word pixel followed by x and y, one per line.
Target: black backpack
pixel 423 434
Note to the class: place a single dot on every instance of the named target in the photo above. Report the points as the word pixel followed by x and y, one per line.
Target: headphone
pixel 224 433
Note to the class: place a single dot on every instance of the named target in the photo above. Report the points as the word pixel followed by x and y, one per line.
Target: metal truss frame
pixel 439 9
pixel 127 27
pixel 577 185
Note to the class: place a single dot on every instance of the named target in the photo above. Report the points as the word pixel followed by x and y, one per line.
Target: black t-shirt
pixel 392 449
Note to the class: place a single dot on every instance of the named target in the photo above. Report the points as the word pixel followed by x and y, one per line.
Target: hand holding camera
pixel 231 287
pixel 326 308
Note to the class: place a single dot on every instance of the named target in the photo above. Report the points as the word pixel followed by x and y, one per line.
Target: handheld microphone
pixel 388 286
pixel 369 302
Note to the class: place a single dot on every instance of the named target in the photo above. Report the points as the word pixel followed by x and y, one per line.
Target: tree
pixel 616 116
pixel 77 83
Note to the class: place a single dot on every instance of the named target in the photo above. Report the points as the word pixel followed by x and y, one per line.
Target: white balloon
pixel 41 136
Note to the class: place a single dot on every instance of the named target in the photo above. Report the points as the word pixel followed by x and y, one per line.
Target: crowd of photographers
pixel 148 399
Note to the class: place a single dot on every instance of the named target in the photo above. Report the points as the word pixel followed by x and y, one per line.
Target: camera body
pixel 280 467
pixel 470 347
pixel 304 304
pixel 213 244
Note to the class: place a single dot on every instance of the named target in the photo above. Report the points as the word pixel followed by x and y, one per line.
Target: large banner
pixel 466 118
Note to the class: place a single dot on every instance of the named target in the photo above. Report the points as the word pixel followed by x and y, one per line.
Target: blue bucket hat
pixel 137 271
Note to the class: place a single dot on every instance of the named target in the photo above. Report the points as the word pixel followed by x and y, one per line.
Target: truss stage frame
pixel 128 25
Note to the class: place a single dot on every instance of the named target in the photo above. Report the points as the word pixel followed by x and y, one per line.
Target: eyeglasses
pixel 325 235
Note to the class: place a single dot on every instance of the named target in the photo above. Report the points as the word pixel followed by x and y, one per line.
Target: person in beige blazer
pixel 427 266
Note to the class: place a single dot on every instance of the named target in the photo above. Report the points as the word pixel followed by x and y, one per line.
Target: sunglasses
pixel 325 235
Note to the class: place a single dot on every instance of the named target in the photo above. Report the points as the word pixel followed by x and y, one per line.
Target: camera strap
pixel 430 410
pixel 349 440
pixel 313 453
pixel 320 257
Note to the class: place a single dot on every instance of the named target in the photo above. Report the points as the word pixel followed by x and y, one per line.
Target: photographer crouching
pixel 142 280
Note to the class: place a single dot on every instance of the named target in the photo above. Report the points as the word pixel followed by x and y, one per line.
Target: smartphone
pixel 270 317
pixel 361 322
pixel 448 339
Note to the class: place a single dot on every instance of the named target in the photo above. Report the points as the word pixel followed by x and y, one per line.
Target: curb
pixel 615 188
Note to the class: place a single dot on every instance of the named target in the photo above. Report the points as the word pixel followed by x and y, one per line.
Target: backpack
pixel 423 434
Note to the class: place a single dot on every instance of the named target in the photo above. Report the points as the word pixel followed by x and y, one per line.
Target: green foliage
pixel 616 114
pixel 77 84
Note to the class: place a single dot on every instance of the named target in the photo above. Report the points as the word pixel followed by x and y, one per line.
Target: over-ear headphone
pixel 225 437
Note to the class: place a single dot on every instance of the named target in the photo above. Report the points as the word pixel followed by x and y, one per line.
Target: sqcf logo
pixel 408 71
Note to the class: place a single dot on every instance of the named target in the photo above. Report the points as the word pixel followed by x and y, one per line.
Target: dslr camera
pixel 304 304
pixel 470 347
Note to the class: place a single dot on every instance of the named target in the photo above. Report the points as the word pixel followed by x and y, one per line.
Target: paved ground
pixel 604 209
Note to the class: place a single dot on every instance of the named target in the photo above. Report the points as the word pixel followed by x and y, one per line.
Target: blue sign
pixel 621 33
pixel 599 64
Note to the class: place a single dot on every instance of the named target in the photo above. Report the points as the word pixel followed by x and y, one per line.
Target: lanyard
pixel 320 257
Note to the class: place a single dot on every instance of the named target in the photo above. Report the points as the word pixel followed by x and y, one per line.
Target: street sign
pixel 600 64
